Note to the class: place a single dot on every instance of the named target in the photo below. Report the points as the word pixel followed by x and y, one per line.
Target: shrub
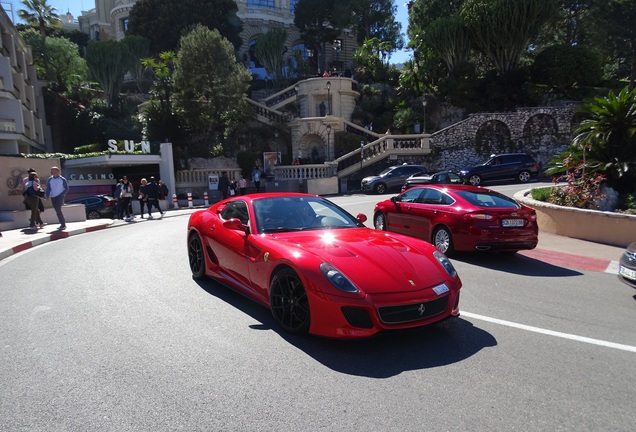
pixel 541 194
pixel 582 191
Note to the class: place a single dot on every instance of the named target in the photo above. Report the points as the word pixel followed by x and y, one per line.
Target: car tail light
pixel 107 203
pixel 478 216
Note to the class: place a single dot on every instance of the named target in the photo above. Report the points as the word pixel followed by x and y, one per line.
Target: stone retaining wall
pixel 609 228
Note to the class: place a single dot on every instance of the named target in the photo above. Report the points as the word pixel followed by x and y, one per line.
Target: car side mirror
pixel 235 224
pixel 395 199
pixel 361 217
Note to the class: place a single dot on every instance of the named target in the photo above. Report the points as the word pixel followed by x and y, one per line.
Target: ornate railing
pixel 299 172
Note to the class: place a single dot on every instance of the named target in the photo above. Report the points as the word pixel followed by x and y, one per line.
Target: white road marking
pixel 551 332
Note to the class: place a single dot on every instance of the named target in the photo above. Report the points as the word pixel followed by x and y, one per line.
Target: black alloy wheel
pixel 379 221
pixel 289 303
pixel 196 256
pixel 93 214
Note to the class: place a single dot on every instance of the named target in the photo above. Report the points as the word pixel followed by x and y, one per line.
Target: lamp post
pixel 328 97
pixel 276 134
pixel 424 118
pixel 297 88
pixel 328 141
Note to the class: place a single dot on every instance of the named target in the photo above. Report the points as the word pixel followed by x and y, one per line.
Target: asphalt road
pixel 107 331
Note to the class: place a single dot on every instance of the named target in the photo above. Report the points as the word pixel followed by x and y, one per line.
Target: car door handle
pixel 435 211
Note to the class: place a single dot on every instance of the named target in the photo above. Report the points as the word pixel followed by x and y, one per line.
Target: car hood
pixel 373 260
pixel 369 179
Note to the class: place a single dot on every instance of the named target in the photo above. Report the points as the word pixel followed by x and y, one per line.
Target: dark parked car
pixel 459 217
pixel 442 177
pixel 627 266
pixel 391 178
pixel 507 166
pixel 97 206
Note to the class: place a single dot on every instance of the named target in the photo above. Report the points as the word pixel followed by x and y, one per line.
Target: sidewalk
pixel 18 240
pixel 552 248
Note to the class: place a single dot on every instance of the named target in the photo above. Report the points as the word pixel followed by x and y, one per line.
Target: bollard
pixel 190 200
pixel 175 202
pixel 205 198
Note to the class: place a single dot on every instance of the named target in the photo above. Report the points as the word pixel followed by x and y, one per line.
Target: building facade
pixel 109 20
pixel 22 119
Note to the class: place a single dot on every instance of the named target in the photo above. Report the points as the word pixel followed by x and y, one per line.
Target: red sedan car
pixel 318 268
pixel 458 217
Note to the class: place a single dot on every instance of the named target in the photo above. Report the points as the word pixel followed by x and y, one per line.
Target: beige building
pixel 22 120
pixel 109 20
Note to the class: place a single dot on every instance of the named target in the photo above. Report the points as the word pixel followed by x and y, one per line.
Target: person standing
pixel 163 189
pixel 256 178
pixel 242 184
pixel 125 198
pixel 224 185
pixel 32 200
pixel 152 192
pixel 143 198
pixel 56 189
pixel 116 194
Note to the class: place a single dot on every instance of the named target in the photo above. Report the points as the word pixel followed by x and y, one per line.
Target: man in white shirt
pixel 56 189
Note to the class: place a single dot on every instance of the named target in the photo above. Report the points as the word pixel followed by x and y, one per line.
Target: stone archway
pixel 493 136
pixel 312 149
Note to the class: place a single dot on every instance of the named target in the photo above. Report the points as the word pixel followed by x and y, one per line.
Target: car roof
pixel 453 187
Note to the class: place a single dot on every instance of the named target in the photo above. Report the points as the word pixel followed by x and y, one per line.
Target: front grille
pixel 357 317
pixel 412 312
pixel 629 259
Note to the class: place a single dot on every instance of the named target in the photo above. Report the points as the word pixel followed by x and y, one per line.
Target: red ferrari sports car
pixel 458 217
pixel 318 268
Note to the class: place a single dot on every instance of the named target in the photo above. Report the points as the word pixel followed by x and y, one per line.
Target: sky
pixel 77 6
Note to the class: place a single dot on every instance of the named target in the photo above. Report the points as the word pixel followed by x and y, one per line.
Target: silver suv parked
pixel 391 178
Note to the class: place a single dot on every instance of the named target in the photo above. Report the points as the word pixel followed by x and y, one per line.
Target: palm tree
pixel 605 141
pixel 39 14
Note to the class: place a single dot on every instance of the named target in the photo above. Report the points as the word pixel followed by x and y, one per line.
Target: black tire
pixel 93 214
pixel 196 256
pixel 474 180
pixel 379 221
pixel 380 188
pixel 524 176
pixel 289 303
pixel 443 240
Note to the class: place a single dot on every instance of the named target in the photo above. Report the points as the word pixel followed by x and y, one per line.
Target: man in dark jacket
pixel 152 192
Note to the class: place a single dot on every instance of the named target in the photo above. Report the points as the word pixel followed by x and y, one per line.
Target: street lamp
pixel 297 88
pixel 329 97
pixel 276 134
pixel 424 118
pixel 328 141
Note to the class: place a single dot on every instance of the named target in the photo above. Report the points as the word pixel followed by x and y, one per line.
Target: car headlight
pixel 337 279
pixel 445 262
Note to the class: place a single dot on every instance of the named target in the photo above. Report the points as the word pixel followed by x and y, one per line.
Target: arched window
pixel 302 48
pixel 292 5
pixel 254 63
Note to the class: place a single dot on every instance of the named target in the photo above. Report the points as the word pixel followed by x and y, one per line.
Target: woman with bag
pixel 32 193
pixel 126 196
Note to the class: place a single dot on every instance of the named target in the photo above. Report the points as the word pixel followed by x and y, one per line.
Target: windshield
pixel 298 213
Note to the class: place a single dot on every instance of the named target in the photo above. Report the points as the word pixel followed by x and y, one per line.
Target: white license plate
pixel 628 273
pixel 440 289
pixel 513 222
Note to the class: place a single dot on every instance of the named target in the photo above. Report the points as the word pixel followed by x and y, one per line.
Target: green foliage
pixel 450 38
pixel 108 62
pixel 139 48
pixel 565 66
pixel 39 14
pixel 376 19
pixel 269 51
pixel 163 22
pixel 210 84
pixel 607 137
pixel 502 30
pixel 541 194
